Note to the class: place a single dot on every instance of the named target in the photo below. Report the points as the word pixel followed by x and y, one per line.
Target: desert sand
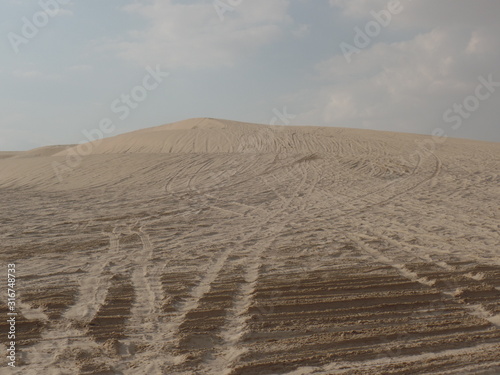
pixel 217 247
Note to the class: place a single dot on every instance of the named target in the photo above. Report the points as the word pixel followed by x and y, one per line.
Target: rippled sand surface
pixel 217 247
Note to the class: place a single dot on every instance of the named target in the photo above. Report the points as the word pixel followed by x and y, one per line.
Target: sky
pixel 421 66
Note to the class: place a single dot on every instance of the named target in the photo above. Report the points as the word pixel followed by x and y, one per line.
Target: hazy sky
pixel 411 66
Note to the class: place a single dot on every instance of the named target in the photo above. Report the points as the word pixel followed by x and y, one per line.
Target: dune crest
pixel 133 155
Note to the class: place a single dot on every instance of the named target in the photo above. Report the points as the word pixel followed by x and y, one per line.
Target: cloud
pixel 426 14
pixel 408 85
pixel 192 34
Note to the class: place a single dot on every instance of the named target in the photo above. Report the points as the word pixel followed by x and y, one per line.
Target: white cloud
pixel 193 35
pixel 426 14
pixel 408 85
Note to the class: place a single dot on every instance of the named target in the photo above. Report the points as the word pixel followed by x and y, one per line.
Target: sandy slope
pixel 217 247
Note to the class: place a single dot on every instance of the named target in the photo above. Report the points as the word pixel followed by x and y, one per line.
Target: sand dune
pixel 218 247
pixel 206 135
pixel 8 154
pixel 42 151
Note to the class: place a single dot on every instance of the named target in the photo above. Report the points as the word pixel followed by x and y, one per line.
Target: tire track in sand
pixel 145 326
pixel 192 302
pixel 68 333
pixel 475 310
pixel 227 354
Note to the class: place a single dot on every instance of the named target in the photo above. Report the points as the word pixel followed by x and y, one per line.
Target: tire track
pixel 392 188
pixel 69 331
pixel 191 303
pixel 447 358
pixel 236 326
pixel 395 182
pixel 462 284
pixel 354 211
pixel 145 326
pixel 108 296
pixel 381 258
pixel 93 288
pixel 474 310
